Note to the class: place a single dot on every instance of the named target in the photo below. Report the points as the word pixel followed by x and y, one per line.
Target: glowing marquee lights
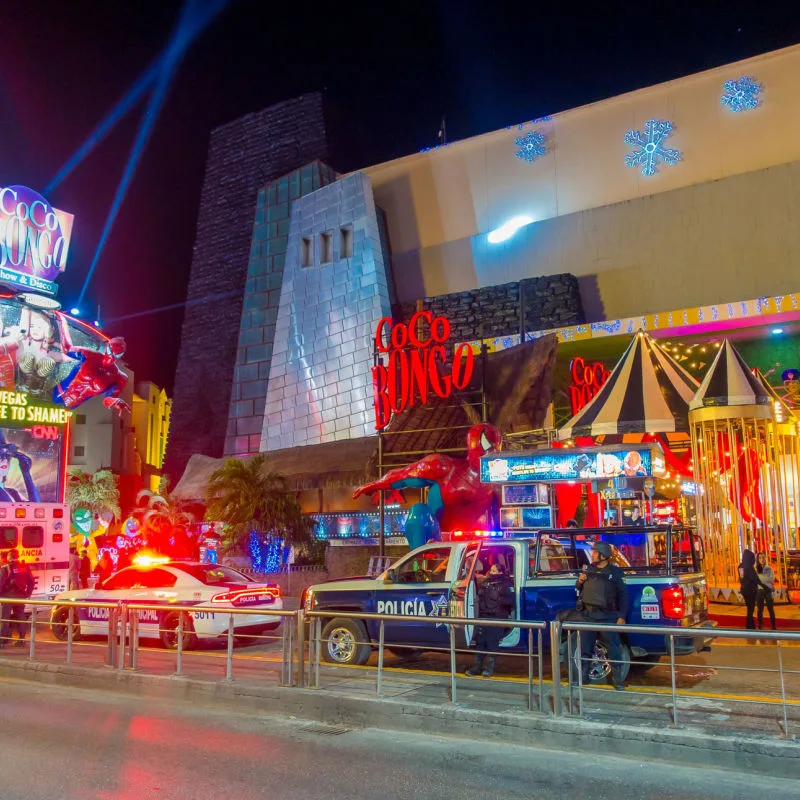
pixel 508 229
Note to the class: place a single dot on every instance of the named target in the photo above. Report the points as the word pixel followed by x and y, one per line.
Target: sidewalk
pixel 729 615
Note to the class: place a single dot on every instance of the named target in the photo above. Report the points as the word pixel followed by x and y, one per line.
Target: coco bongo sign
pixel 416 363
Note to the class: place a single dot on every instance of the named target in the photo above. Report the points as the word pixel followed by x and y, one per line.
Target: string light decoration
pixel 649 150
pixel 531 146
pixel 741 94
pixel 694 358
pixel 265 552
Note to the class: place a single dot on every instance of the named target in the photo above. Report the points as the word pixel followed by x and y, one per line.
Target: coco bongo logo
pixel 34 238
pixel 416 364
pixel 587 381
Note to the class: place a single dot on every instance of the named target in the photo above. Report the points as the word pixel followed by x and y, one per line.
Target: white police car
pixel 180 584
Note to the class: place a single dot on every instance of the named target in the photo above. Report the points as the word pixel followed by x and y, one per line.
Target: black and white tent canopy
pixel 729 382
pixel 648 392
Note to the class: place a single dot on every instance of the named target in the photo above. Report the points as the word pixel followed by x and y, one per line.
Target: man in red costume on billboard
pixel 96 373
pixel 457 500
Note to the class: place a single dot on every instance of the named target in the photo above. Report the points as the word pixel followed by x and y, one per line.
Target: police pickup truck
pixel 662 567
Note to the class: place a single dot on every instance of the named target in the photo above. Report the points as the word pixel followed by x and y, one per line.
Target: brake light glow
pixel 232 595
pixel 19 513
pixel 672 602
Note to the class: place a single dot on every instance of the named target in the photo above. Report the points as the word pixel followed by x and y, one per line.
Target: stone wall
pixel 243 156
pixel 552 301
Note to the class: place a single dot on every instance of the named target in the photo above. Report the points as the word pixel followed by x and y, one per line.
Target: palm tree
pixel 246 497
pixel 96 493
pixel 164 524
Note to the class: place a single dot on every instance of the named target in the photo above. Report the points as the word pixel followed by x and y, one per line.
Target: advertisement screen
pixel 32 464
pixel 567 465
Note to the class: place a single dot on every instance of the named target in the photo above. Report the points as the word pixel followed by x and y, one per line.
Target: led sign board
pixel 34 240
pixel 570 465
pixel 417 365
pixel 587 380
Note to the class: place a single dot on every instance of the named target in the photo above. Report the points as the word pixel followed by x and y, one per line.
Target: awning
pixel 348 463
pixel 648 392
pixel 729 382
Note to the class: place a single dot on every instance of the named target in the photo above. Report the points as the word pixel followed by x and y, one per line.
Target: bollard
pixel 229 655
pixel 380 660
pixel 70 618
pixel 301 648
pixel 285 644
pixel 179 659
pixel 452 663
pixel 123 624
pixel 32 651
pixel 111 656
pixel 134 628
pixel 555 665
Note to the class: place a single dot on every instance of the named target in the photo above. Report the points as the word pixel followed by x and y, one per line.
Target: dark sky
pixel 391 67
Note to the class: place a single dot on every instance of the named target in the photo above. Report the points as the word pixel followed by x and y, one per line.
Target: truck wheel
pixel 59 622
pixel 345 641
pixel 168 632
pixel 599 667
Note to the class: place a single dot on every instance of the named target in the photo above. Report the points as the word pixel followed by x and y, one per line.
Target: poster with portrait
pixel 32 464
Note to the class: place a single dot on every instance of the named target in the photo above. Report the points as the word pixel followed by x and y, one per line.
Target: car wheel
pixel 345 641
pixel 599 667
pixel 168 632
pixel 59 622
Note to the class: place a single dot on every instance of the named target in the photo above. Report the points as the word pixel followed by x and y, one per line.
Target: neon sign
pixel 14 406
pixel 34 240
pixel 416 364
pixel 587 381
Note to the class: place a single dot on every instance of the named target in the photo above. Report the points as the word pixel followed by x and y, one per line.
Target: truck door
pixel 419 589
pixel 476 562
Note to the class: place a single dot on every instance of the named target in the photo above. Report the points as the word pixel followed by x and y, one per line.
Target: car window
pixel 557 557
pixel 426 566
pixel 124 579
pixel 213 574
pixel 155 579
pixel 8 537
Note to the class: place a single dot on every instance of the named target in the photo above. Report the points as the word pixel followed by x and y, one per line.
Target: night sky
pixel 391 68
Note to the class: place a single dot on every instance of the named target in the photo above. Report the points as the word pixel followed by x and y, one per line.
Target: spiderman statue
pixel 457 500
pixel 95 373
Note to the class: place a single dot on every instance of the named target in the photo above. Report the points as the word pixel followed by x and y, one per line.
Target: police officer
pixel 16 581
pixel 495 601
pixel 602 597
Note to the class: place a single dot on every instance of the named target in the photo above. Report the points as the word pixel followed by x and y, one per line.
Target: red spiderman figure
pixel 457 500
pixel 96 373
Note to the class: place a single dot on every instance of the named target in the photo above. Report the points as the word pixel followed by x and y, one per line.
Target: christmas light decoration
pixel 741 94
pixel 649 150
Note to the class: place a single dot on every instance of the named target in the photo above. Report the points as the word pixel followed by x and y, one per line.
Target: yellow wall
pixel 604 221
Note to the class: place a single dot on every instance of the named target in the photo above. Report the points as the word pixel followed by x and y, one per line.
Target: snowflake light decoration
pixel 531 146
pixel 649 149
pixel 740 95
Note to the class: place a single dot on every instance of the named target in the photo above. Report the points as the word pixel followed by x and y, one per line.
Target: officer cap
pixel 604 548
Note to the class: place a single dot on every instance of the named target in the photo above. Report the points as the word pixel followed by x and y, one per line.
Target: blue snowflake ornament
pixel 531 146
pixel 740 95
pixel 649 150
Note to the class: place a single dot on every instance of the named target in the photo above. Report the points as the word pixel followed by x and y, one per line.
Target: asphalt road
pixel 80 745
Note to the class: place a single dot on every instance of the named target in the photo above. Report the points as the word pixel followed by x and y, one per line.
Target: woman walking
pixel 766 590
pixel 749 585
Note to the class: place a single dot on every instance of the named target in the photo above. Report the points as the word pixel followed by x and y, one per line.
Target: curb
pixel 697 747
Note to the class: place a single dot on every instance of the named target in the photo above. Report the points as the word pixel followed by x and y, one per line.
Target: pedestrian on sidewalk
pixel 495 601
pixel 766 590
pixel 748 578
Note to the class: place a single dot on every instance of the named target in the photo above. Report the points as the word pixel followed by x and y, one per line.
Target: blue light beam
pixel 186 31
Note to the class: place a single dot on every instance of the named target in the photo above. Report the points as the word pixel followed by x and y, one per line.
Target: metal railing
pixel 574 630
pixel 316 642
pixel 545 693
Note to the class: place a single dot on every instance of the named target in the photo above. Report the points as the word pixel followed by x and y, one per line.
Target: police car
pixel 180 584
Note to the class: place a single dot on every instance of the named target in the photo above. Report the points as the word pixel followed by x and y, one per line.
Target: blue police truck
pixel 662 567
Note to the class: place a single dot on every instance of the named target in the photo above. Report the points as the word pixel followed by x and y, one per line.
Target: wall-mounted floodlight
pixel 508 229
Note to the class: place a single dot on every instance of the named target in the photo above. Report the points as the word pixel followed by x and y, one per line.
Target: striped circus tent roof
pixel 648 392
pixel 729 382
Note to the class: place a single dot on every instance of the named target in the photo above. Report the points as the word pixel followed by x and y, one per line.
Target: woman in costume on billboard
pixel 7 494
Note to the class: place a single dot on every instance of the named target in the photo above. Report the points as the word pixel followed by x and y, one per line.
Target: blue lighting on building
pixel 266 552
pixel 531 146
pixel 649 150
pixel 508 229
pixel 741 94
pixel 358 525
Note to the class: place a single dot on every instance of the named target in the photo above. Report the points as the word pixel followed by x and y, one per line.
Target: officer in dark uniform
pixel 16 581
pixel 495 601
pixel 602 597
